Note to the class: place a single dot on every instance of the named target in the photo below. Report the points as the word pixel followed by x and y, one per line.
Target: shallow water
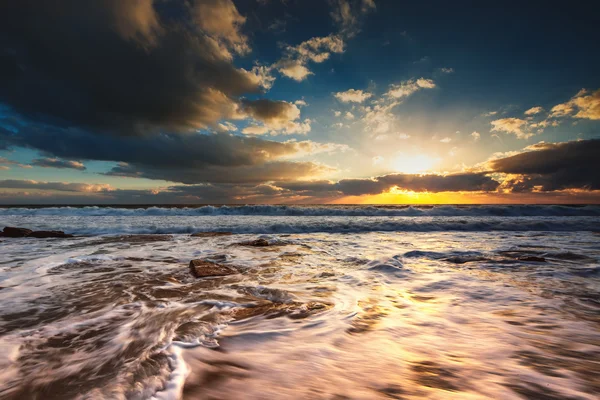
pixel 320 315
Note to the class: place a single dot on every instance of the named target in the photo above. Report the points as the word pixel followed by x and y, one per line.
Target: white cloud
pixel 337 113
pixel 446 140
pixel 476 135
pixel 293 69
pixel 583 105
pixel 515 126
pixel 534 110
pixel 447 70
pixel 318 49
pixel 352 95
pixel 255 130
pixel 406 88
pixel 227 126
pixel 349 116
pixel 403 136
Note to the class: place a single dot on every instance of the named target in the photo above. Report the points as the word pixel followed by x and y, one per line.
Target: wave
pixel 283 210
pixel 275 225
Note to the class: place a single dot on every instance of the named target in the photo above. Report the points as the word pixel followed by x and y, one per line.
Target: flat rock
pixel 203 268
pixel 210 234
pixel 256 243
pixel 13 232
pixel 49 234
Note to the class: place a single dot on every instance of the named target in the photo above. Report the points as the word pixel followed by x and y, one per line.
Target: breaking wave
pixel 321 210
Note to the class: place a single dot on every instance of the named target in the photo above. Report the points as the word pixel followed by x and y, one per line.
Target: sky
pixel 299 101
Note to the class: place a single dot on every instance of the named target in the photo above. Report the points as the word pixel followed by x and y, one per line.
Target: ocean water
pixel 346 302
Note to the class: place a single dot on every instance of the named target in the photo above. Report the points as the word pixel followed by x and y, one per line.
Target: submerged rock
pixel 203 268
pixel 10 231
pixel 49 234
pixel 532 259
pixel 270 310
pixel 210 234
pixel 256 243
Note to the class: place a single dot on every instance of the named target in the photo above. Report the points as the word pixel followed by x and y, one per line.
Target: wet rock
pixel 13 232
pixel 211 234
pixel 203 268
pixel 49 234
pixel 256 243
pixel 532 258
pixel 270 310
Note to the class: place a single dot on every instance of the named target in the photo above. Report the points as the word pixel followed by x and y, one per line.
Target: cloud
pixel 464 182
pixel 515 126
pixel 349 115
pixel 276 116
pixel 255 130
pixel 201 156
pixel 143 74
pixel 583 105
pixel 227 126
pixel 446 140
pixel 476 135
pixel 5 162
pixel 406 88
pixel 317 49
pixel 552 166
pixel 57 163
pixel 252 174
pixel 293 69
pixel 490 113
pixel 403 136
pixel 57 186
pixel 447 70
pixel 534 110
pixel 221 20
pixel 353 96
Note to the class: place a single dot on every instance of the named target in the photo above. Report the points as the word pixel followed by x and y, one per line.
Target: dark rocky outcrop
pixel 210 234
pixel 14 232
pixel 204 268
pixel 49 234
pixel 256 243
pixel 10 231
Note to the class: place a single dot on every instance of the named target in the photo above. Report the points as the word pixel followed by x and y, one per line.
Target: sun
pixel 414 163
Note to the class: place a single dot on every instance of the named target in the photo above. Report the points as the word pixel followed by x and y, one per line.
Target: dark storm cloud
pixel 465 182
pixel 270 111
pixel 168 150
pixel 553 166
pixel 122 66
pixel 52 186
pixel 253 174
pixel 57 163
pixel 186 158
pixel 37 192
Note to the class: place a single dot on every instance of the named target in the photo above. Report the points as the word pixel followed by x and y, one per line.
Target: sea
pixel 324 302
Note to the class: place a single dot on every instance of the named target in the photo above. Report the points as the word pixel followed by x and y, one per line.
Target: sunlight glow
pixel 414 164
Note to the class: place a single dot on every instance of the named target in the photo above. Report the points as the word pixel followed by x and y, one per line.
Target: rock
pixel 532 258
pixel 210 234
pixel 13 232
pixel 256 243
pixel 203 268
pixel 49 234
